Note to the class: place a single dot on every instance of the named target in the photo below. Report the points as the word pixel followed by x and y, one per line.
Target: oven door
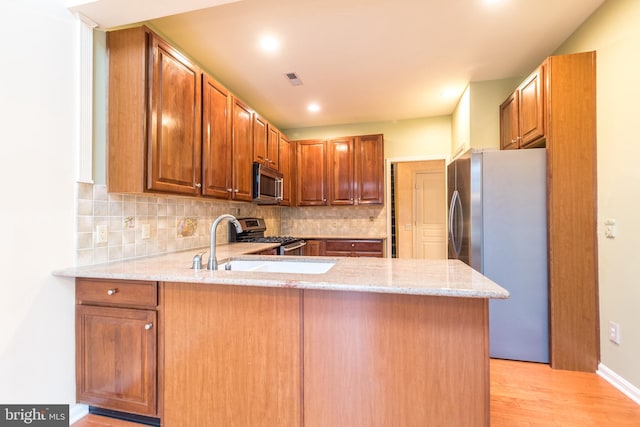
pixel 295 248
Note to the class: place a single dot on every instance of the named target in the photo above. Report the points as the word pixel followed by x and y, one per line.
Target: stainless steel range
pixel 253 231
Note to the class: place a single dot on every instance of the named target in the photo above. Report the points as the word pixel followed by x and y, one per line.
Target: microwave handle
pixel 279 188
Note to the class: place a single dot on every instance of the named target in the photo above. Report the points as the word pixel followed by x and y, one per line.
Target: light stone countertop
pixel 448 278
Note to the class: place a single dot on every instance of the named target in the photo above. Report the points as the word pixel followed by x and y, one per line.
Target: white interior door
pixel 430 231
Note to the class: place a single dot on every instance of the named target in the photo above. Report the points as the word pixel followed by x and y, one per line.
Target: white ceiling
pixel 361 60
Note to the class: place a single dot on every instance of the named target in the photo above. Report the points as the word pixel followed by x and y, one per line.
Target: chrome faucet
pixel 212 264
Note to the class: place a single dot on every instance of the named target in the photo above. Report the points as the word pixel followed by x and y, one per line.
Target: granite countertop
pixel 450 278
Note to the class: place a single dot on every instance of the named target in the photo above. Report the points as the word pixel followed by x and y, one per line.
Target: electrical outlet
pixel 102 233
pixel 614 332
pixel 146 231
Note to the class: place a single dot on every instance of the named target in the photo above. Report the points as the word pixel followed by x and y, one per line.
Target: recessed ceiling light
pixel 450 93
pixel 313 107
pixel 269 44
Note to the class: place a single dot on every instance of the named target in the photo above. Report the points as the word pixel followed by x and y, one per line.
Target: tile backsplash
pixel 335 221
pixel 150 224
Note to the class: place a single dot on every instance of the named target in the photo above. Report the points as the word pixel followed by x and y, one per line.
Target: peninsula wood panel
pixel 231 356
pixel 379 360
pixel 572 203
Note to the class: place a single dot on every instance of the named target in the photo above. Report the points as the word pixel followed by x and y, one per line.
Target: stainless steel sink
pixel 279 266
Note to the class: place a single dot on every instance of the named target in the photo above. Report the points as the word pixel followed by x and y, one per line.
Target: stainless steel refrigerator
pixel 497 225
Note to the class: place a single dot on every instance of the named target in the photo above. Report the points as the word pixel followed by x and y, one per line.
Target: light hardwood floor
pixel 529 395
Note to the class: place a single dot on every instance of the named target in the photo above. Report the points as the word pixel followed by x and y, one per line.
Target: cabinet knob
pixel 148 326
pixel 229 190
pixel 198 185
pixel 236 190
pixel 112 291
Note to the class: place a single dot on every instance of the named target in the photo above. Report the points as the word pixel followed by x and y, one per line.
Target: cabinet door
pixel 174 131
pixel 369 170
pixel 509 123
pixel 260 140
pixel 216 140
pixel 273 148
pixel 285 168
pixel 116 358
pixel 242 151
pixel 311 177
pixel 314 248
pixel 531 108
pixel 341 173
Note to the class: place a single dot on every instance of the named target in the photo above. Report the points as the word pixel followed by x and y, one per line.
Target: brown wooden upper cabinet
pixel 341 171
pixel 354 171
pixel 171 127
pixel 260 135
pixel 154 115
pixel 369 169
pixel 216 140
pixel 509 133
pixel 522 115
pixel 242 152
pixel 266 139
pixel 311 173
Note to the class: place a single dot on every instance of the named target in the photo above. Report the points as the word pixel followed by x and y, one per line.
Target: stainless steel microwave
pixel 267 185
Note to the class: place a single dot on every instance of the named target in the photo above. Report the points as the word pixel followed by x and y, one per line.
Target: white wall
pixel 614 33
pixel 38 105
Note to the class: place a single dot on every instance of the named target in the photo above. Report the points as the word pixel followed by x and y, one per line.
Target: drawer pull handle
pixel 112 291
pixel 148 326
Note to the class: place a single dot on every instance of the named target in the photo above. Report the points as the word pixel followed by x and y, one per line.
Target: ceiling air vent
pixel 294 79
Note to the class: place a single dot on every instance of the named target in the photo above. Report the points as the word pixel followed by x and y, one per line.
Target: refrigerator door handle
pixel 456 223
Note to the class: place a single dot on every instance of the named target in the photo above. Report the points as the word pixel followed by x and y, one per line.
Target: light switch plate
pixel 610 228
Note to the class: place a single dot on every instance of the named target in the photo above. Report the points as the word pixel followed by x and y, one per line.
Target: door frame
pixel 387 173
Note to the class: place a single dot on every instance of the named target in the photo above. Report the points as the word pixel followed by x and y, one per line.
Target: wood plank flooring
pixel 531 394
pixel 528 395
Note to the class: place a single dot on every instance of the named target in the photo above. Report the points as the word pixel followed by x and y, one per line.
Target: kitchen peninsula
pixel 370 342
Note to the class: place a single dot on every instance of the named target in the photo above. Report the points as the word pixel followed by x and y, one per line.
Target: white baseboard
pixel 76 412
pixel 631 391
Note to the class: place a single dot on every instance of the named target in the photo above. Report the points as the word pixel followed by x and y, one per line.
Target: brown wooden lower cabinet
pixel 250 356
pixel 116 345
pixel 345 247
pixel 314 248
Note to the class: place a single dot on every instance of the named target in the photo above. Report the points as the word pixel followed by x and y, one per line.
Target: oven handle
pixel 292 248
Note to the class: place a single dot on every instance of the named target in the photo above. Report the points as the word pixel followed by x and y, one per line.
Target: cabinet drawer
pixel 354 245
pixel 127 293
